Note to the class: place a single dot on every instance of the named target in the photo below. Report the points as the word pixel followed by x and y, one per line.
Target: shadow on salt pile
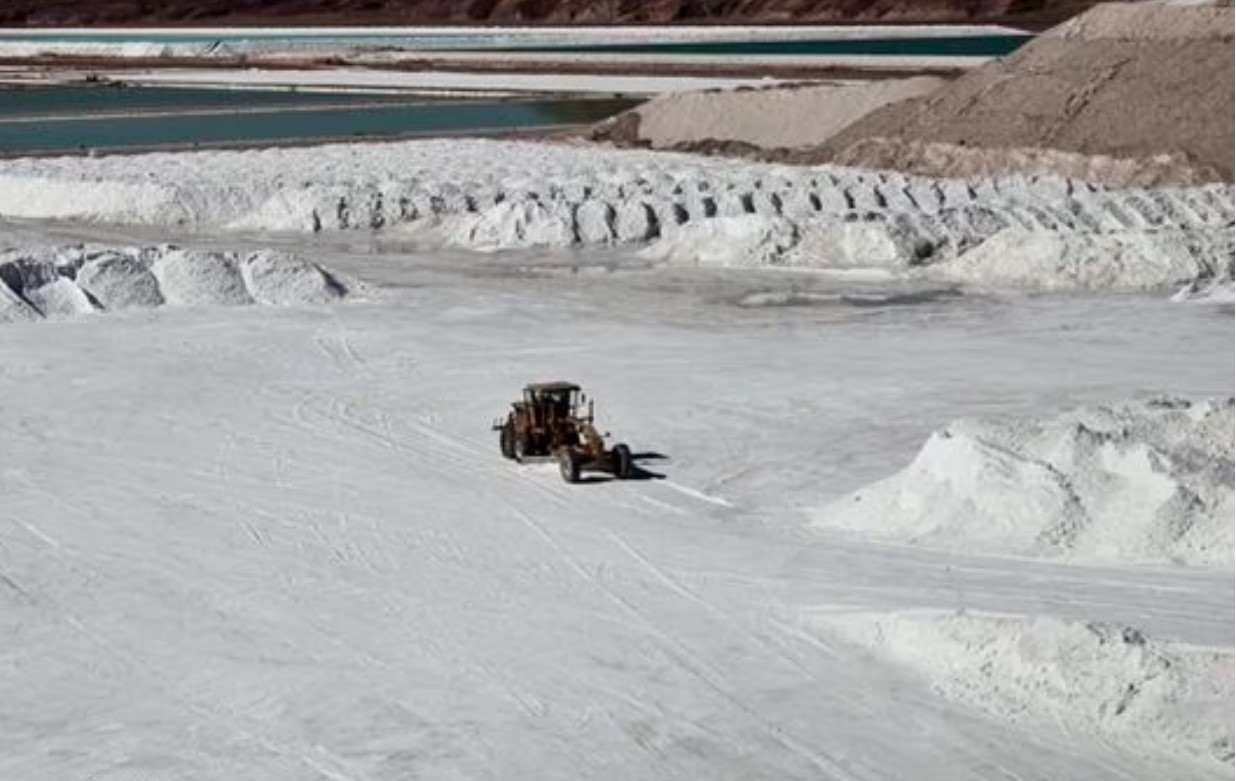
pixel 56 282
pixel 861 300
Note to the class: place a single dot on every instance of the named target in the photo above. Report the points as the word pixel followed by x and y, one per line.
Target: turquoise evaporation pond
pixel 171 122
pixel 971 45
pixel 78 99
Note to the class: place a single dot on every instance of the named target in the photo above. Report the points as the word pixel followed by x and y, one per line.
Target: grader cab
pixel 555 419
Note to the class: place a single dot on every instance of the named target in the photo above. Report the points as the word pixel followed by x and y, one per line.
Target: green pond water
pixel 43 123
pixel 76 99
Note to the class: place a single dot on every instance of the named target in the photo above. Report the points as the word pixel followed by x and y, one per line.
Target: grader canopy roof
pixel 553 386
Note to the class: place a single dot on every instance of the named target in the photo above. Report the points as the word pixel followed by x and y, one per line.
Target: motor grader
pixel 555 419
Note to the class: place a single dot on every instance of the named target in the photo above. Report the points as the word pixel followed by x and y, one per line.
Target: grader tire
pixel 568 465
pixel 506 440
pixel 624 467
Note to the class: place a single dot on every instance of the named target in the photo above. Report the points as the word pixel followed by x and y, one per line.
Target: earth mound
pixel 1128 82
pixel 1125 95
pixel 775 117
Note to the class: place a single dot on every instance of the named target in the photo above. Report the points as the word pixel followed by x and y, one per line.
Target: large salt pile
pixel 1088 678
pixel 67 281
pixel 982 247
pixel 1120 259
pixel 1140 482
pixel 485 194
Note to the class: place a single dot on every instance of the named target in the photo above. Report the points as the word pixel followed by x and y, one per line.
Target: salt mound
pixel 980 247
pixel 27 271
pixel 1143 482
pixel 38 285
pixel 749 240
pixel 59 298
pixel 755 241
pixel 875 244
pixel 120 281
pixel 1085 678
pixel 489 195
pixel 13 308
pixel 69 281
pixel 1131 260
pixel 282 279
pixel 511 225
pixel 200 279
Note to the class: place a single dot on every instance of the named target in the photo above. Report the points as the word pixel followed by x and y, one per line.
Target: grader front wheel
pixel 624 466
pixel 506 440
pixel 568 464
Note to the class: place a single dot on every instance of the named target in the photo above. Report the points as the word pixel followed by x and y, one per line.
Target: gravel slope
pixel 1122 81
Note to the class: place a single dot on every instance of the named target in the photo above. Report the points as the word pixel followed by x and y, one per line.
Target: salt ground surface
pixel 73 280
pixel 279 543
pixel 1079 677
pixel 483 194
pixel 1149 482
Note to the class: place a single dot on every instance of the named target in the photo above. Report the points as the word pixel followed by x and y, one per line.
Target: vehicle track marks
pixel 688 660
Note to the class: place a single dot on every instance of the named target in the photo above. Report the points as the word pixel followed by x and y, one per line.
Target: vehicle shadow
pixel 638 470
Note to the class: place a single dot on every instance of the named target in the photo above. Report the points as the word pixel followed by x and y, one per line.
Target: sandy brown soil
pixel 1126 82
pixel 1129 95
pixel 803 114
pixel 1032 13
